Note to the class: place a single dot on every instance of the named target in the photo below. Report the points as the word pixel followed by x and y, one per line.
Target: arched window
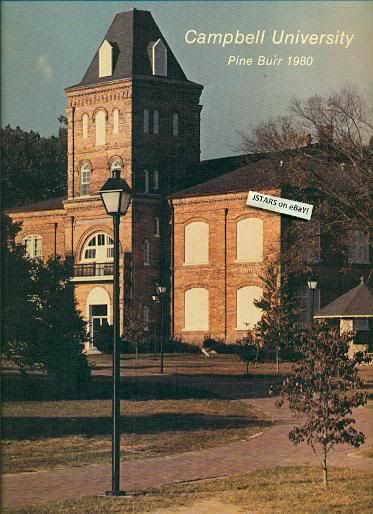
pixel 85 173
pixel 116 165
pixel 155 122
pixel 196 309
pixel 175 124
pixel 115 121
pixel 250 240
pixel 146 181
pixel 146 121
pixel 155 180
pixel 197 243
pixel 32 244
pixel 85 125
pixel 156 227
pixel 146 252
pixel 247 314
pixel 100 128
pixel 159 58
pixel 98 248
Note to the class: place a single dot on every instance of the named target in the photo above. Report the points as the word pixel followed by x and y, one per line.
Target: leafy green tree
pixel 277 329
pixel 33 167
pixel 18 312
pixel 319 392
pixel 61 331
pixel 248 349
pixel 133 336
pixel 41 325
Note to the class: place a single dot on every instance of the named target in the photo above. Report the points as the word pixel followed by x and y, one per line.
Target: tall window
pixel 146 317
pixel 358 247
pixel 146 252
pixel 155 122
pixel 146 181
pixel 250 240
pixel 247 313
pixel 197 243
pixel 99 248
pixel 159 59
pixel 85 173
pixel 100 128
pixel 196 309
pixel 32 245
pixel 115 121
pixel 85 125
pixel 156 227
pixel 155 180
pixel 175 124
pixel 146 121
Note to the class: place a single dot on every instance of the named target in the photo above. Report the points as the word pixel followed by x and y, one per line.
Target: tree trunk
pixel 247 368
pixel 325 469
pixel 256 356
pixel 277 360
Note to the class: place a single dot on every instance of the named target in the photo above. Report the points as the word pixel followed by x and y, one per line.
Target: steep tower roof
pixel 132 36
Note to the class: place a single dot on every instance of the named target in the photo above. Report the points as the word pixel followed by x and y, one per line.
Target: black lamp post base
pixel 115 493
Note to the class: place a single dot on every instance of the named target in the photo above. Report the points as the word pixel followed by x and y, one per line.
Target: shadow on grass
pixel 18 428
pixel 44 388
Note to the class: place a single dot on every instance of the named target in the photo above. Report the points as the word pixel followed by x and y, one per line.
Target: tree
pixel 17 309
pixel 319 393
pixel 41 326
pixel 277 329
pixel 249 348
pixel 133 335
pixel 33 167
pixel 323 153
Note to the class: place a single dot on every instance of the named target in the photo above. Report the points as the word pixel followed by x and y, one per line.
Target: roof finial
pixel 362 279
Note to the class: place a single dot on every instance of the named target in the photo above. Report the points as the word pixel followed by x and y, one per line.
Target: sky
pixel 47 46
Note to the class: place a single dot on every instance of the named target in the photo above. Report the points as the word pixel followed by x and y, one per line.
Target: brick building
pixel 135 110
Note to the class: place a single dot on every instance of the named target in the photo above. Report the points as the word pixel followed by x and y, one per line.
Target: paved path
pixel 270 449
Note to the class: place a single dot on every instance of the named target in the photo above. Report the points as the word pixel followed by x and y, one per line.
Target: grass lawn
pixel 277 491
pixel 46 435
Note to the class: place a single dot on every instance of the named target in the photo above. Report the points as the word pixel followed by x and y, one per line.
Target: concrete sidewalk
pixel 271 448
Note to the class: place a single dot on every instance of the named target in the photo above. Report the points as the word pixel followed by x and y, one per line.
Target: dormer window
pixel 105 67
pixel 159 59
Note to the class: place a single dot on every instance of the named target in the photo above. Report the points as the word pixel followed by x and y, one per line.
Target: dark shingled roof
pixel 356 303
pixel 131 35
pixel 45 205
pixel 253 175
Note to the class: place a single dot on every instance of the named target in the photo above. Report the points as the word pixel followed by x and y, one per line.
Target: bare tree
pixel 339 163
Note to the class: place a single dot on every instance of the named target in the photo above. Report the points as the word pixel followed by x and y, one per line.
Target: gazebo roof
pixel 356 303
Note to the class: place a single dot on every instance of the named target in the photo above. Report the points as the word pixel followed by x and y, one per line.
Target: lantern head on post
pixel 116 195
pixel 312 282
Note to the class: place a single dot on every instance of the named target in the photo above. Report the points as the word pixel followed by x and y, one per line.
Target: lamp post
pixel 116 197
pixel 161 292
pixel 155 299
pixel 312 285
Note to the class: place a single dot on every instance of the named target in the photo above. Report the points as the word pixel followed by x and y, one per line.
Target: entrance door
pixel 98 316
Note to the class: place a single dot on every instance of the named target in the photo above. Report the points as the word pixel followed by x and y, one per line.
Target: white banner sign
pixel 280 205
